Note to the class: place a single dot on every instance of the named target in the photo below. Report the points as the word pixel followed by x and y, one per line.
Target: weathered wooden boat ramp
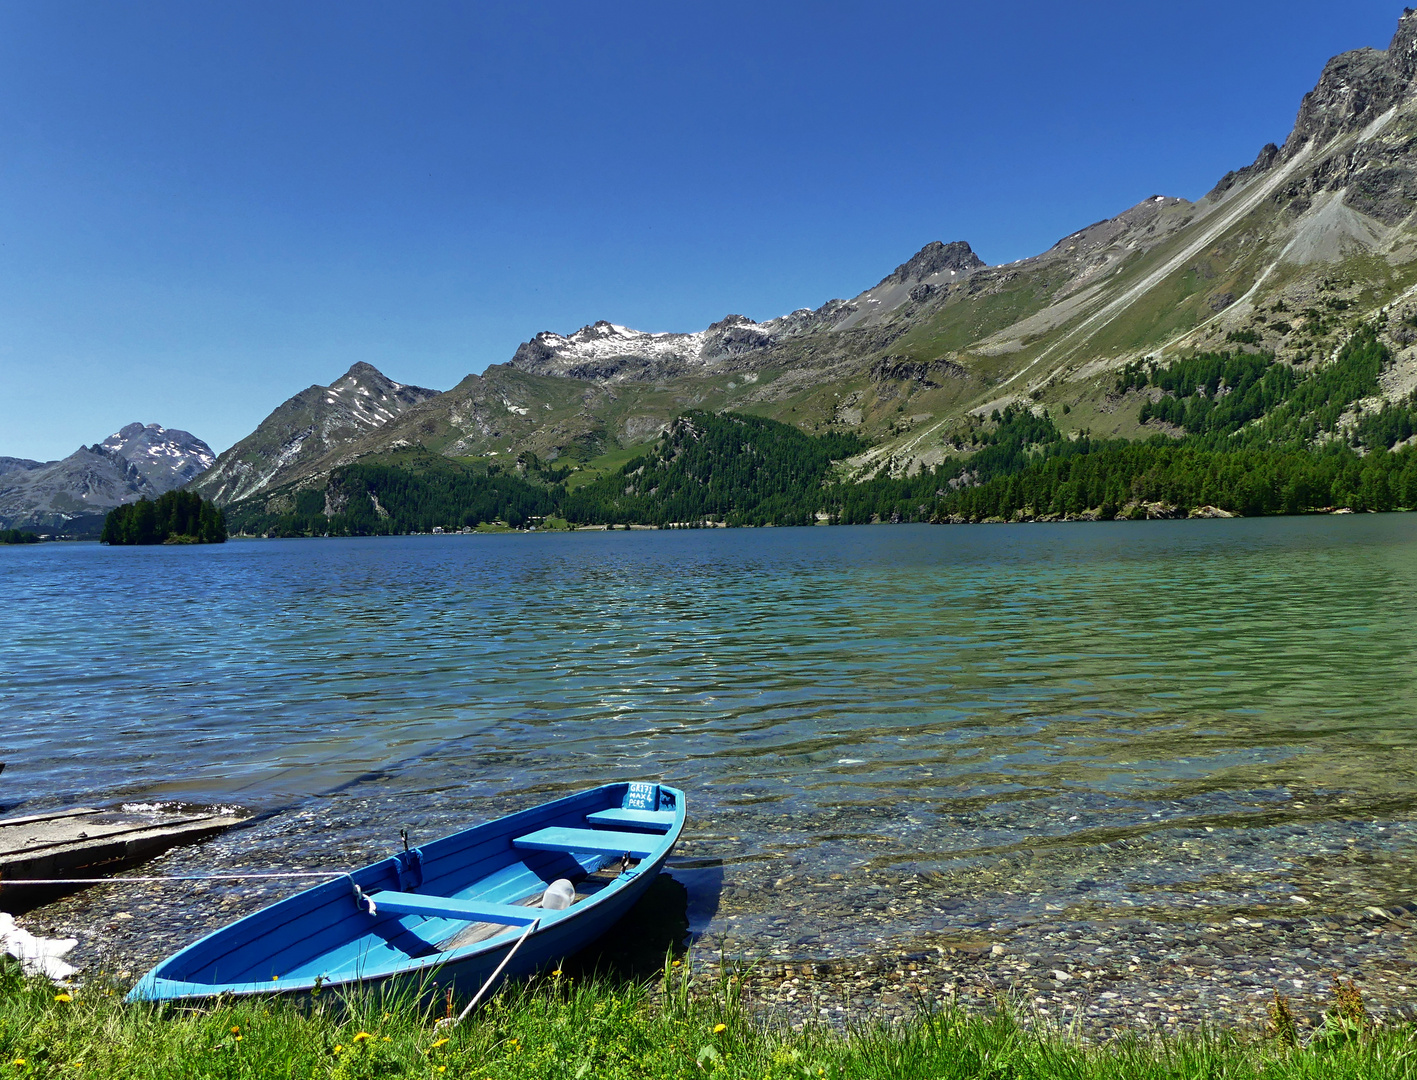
pixel 85 842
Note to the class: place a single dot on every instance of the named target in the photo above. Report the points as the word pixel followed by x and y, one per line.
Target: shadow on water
pixel 634 949
pixel 703 878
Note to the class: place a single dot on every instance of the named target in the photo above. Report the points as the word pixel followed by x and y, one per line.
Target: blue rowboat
pixel 450 911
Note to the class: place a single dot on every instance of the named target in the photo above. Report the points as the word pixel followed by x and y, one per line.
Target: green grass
pixel 604 465
pixel 668 1027
pixel 966 320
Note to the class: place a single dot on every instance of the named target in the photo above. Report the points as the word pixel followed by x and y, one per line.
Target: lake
pixel 1073 719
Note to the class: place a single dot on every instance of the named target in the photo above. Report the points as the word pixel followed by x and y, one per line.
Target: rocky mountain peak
pixel 165 458
pixel 1356 88
pixel 308 427
pixel 362 370
pixel 734 335
pixel 1402 50
pixel 367 376
pixel 730 321
pixel 935 258
pixel 600 331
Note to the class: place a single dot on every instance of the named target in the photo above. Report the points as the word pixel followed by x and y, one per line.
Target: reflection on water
pixel 977 723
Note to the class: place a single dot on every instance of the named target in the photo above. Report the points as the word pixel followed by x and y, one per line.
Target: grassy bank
pixel 561 1027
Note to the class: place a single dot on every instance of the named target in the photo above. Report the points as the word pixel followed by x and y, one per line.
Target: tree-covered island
pixel 176 517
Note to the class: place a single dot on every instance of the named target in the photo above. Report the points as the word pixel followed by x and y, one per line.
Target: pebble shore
pixel 1105 980
pixel 1141 975
pixel 1066 943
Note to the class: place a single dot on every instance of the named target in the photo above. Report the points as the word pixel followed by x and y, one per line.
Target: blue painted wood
pixel 652 820
pixel 593 841
pixel 446 908
pixel 324 935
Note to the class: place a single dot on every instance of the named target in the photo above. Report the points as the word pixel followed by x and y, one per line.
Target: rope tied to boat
pixel 362 899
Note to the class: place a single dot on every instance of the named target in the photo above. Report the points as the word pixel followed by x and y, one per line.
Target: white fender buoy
pixel 559 895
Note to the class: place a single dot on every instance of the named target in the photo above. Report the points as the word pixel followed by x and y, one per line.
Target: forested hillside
pixel 742 470
pixel 1257 436
pixel 1237 432
pixel 417 493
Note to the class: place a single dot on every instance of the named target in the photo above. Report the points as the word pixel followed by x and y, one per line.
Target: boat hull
pixel 448 913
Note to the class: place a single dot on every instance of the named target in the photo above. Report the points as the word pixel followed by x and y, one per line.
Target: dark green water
pixel 881 729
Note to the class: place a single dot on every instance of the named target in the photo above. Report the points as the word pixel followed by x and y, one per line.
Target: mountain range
pixel 73 494
pixel 1286 256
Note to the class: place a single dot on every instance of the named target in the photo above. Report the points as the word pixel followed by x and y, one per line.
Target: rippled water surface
pixel 940 726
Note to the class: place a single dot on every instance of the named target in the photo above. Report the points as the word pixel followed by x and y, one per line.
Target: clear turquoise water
pixel 1012 710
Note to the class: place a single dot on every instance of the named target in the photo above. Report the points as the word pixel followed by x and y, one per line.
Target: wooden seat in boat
pixel 655 820
pixel 589 842
pixel 446 907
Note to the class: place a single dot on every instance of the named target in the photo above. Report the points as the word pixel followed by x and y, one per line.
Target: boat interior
pixel 474 890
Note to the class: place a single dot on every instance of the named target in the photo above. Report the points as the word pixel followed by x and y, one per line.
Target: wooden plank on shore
pixel 18 842
pixel 90 844
pixel 52 815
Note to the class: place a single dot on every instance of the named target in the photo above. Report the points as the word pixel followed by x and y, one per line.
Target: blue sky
pixel 205 208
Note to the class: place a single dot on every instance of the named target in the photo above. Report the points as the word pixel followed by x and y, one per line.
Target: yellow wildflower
pixel 64 997
pixel 556 974
pixel 339 1048
pixel 442 1068
pixel 439 1043
pixel 236 1029
pixel 362 1036
pixel 676 963
pixel 237 1039
pixel 719 1029
pixel 386 1039
pixel 18 1061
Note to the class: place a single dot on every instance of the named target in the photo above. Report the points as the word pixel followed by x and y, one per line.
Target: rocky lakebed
pixel 1220 923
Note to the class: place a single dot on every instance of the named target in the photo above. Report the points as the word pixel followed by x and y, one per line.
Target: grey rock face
pixel 1366 151
pixel 733 336
pixel 134 462
pixel 935 258
pixel 1267 156
pixel 15 464
pixel 1354 89
pixel 1357 87
pixel 924 372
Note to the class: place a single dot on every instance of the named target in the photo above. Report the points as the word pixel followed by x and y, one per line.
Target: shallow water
pixel 883 731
